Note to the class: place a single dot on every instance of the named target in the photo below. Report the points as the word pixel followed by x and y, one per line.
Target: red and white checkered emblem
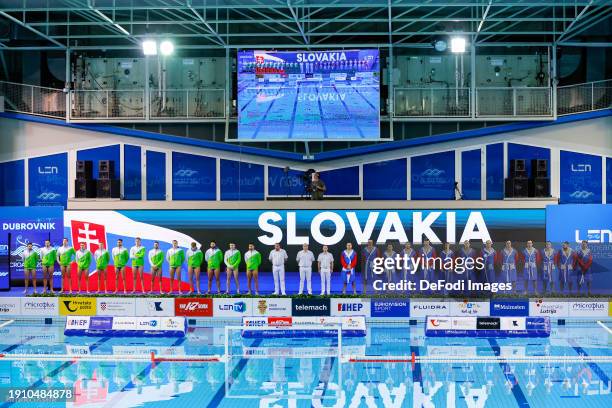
pixel 89 233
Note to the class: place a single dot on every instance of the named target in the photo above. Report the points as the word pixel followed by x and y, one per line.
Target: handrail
pixel 574 98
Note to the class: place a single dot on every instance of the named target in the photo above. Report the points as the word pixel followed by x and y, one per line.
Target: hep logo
pixel 88 233
pixel 350 307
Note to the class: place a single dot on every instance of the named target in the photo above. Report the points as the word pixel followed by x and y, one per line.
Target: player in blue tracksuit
pixel 489 256
pixel 549 267
pixel 369 253
pixel 584 259
pixel 509 259
pixel 566 261
pixel 531 258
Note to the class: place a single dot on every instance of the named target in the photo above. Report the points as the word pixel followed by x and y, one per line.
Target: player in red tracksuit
pixel 348 259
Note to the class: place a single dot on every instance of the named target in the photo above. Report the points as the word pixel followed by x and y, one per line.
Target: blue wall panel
pixel 132 179
pixel 48 180
pixel 609 180
pixel 281 183
pixel 342 181
pixel 193 177
pixel 12 191
pixel 156 175
pixel 102 153
pixel 580 176
pixel 433 176
pixel 385 180
pixel 495 171
pixel 519 151
pixel 241 181
pixel 470 175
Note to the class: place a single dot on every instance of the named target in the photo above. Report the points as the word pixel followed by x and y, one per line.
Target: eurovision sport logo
pixel 390 308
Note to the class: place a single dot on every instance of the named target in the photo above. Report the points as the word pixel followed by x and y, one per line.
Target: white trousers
pixel 325 282
pixel 306 272
pixel 279 279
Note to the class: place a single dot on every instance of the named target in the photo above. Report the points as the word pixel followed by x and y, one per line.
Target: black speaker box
pixel 517 187
pixel 539 187
pixel 539 168
pixel 518 168
pixel 106 170
pixel 108 188
pixel 84 188
pixel 84 169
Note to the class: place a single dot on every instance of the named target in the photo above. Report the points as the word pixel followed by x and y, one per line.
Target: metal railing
pixel 513 102
pixel 187 104
pixel 33 100
pixel 431 102
pixel 584 97
pixel 209 104
pixel 107 104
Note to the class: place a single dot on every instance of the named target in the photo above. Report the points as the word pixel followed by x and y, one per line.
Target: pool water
pixel 571 368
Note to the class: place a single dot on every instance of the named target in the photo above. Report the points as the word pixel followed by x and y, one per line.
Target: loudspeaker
pixel 539 187
pixel 84 169
pixel 84 188
pixel 517 187
pixel 518 168
pixel 108 188
pixel 106 170
pixel 539 168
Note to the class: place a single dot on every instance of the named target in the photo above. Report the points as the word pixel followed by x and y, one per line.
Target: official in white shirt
pixel 305 258
pixel 278 257
pixel 325 261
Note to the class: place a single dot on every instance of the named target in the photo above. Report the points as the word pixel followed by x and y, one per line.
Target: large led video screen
pixel 308 95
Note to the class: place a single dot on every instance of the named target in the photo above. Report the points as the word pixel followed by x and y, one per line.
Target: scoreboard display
pixel 308 95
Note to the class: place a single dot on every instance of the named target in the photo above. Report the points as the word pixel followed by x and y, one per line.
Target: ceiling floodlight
pixel 149 47
pixel 166 47
pixel 458 44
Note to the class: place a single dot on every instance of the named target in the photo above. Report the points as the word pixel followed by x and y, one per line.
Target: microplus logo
pixel 27 226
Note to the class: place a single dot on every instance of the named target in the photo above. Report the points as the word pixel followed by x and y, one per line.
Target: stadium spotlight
pixel 166 47
pixel 457 44
pixel 149 47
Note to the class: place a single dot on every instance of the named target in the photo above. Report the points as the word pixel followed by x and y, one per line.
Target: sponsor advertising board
pixel 424 308
pixel 272 307
pixel 390 308
pixel 193 307
pixel 232 307
pixel 81 306
pixel 509 307
pixel 310 307
pixel 40 306
pixel 350 307
pixel 588 309
pixel 116 306
pixel 552 308
pixel 468 308
pixel 154 307
pixel 10 306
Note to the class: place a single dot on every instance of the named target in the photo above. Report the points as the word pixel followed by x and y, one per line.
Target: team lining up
pixel 563 267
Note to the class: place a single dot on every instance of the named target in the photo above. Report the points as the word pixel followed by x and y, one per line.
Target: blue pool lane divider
pixel 493 326
pixel 125 326
pixel 303 326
